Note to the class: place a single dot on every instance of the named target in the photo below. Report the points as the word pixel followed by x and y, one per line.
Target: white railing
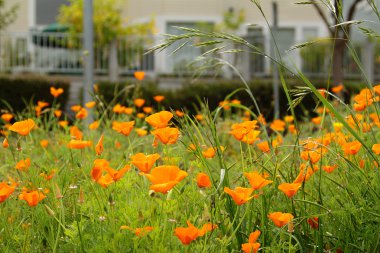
pixel 60 53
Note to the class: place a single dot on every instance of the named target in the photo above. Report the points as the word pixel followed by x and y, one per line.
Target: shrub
pixel 18 92
pixel 214 91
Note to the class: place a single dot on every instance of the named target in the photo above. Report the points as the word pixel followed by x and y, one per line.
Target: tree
pixel 7 16
pixel 339 27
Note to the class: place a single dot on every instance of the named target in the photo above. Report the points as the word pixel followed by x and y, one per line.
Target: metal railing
pixel 61 53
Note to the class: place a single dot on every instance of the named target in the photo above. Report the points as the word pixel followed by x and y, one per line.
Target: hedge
pixel 20 91
pixel 214 91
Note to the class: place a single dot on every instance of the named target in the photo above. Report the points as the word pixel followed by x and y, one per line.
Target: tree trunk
pixel 338 62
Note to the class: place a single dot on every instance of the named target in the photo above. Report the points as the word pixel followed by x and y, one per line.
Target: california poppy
pixel 6 190
pixel 164 178
pixel 5 143
pixel 82 114
pixel 57 113
pixel 252 246
pixel 23 165
pixel 280 219
pixel 31 197
pixel 263 146
pixel 22 127
pixel 76 133
pixel 147 109
pixel 98 168
pixel 90 104
pixel 240 195
pixel 144 162
pixel 167 135
pixel 159 119
pixel 99 148
pixel 376 148
pixel 313 222
pixel 124 128
pixel 44 143
pixel 128 110
pixel 139 231
pixel 159 98
pixel 203 180
pixel 118 108
pixel 242 129
pixel 63 123
pixel 139 75
pixel 116 175
pixel 256 180
pixel 329 168
pixel 94 125
pixel 289 189
pixel 76 108
pixel 209 153
pixel 337 89
pixel 79 144
pixel 278 125
pixel 187 235
pixel 49 176
pixel 139 102
pixel 56 92
pixel 140 115
pixel 312 156
pixel 352 148
pixel 7 117
pixel 141 132
pixel 179 113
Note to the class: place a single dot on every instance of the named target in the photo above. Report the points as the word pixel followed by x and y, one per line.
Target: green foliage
pixel 7 16
pixel 108 20
pixel 186 96
pixel 19 92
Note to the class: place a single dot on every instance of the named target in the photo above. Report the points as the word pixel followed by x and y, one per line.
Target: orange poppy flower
pixel 322 92
pixel 288 118
pixel 5 143
pixel 139 102
pixel 141 132
pixel 76 108
pixel 337 89
pixel 159 98
pixel 329 168
pixel 22 127
pixel 6 190
pixel 117 144
pixel 278 125
pixel 209 153
pixel 167 135
pixel 116 175
pixel 82 114
pixel 179 113
pixel 225 104
pixel 352 148
pixel 139 75
pixel 139 231
pixel 203 180
pixel 79 144
pixel 159 119
pixel 63 123
pixel 140 115
pixel 376 149
pixel 23 165
pixel 242 129
pixel 289 189
pixel 99 148
pixel 312 156
pixel 124 128
pixel 48 177
pixel 292 129
pixel 76 133
pixel 31 197
pixel 251 137
pixel 105 181
pixel 164 178
pixel 199 117
pixel 90 104
pixel 235 101
pixel 56 92
pixel 313 222
pixel 144 162
pixel 42 104
pixel 44 143
pixel 128 110
pixel 240 195
pixel 98 168
pixel 317 120
pixel 256 180
pixel 252 246
pixel 94 125
pixel 7 117
pixel 147 109
pixel 118 108
pixel 187 235
pixel 57 113
pixel 263 146
pixel 280 219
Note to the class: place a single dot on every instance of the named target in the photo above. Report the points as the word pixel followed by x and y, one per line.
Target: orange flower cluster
pixel 190 233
